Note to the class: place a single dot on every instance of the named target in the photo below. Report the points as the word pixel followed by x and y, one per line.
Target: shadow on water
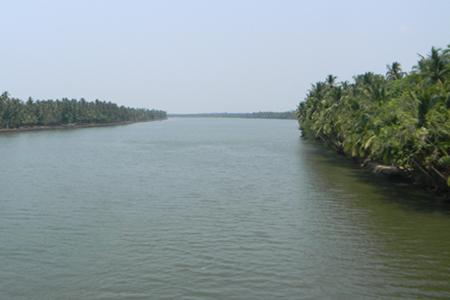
pixel 403 195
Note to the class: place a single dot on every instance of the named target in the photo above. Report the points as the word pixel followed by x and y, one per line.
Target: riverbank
pixel 399 175
pixel 389 173
pixel 70 126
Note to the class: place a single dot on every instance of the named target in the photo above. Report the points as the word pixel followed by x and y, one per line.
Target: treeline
pixel 255 115
pixel 401 120
pixel 15 113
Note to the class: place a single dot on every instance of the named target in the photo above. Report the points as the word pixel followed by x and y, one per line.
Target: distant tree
pixel 15 113
pixel 330 80
pixel 434 68
pixel 394 71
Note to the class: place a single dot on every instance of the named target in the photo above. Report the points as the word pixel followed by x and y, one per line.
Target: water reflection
pixel 402 230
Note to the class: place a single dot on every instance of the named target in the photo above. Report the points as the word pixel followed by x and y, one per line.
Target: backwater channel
pixel 209 208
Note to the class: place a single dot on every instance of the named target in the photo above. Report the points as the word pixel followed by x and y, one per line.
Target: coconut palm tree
pixel 394 72
pixel 426 99
pixel 433 68
pixel 330 80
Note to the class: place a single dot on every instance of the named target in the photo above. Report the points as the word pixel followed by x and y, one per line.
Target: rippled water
pixel 209 209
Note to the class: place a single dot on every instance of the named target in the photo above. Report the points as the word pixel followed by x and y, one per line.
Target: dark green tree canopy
pixel 14 113
pixel 400 120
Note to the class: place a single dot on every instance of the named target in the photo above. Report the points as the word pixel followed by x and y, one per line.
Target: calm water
pixel 209 209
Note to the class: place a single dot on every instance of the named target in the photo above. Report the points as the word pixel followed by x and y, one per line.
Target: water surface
pixel 209 209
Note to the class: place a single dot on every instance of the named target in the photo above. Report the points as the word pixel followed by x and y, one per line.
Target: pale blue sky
pixel 206 56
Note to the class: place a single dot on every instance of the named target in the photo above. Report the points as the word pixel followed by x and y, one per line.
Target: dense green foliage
pixel 15 113
pixel 401 120
pixel 256 115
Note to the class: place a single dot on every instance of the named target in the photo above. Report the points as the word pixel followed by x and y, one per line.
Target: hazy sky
pixel 206 56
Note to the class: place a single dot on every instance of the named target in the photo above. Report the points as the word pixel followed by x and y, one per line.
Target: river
pixel 209 208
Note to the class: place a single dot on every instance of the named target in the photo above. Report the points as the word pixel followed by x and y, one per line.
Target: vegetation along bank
pixel 399 120
pixel 18 115
pixel 254 115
